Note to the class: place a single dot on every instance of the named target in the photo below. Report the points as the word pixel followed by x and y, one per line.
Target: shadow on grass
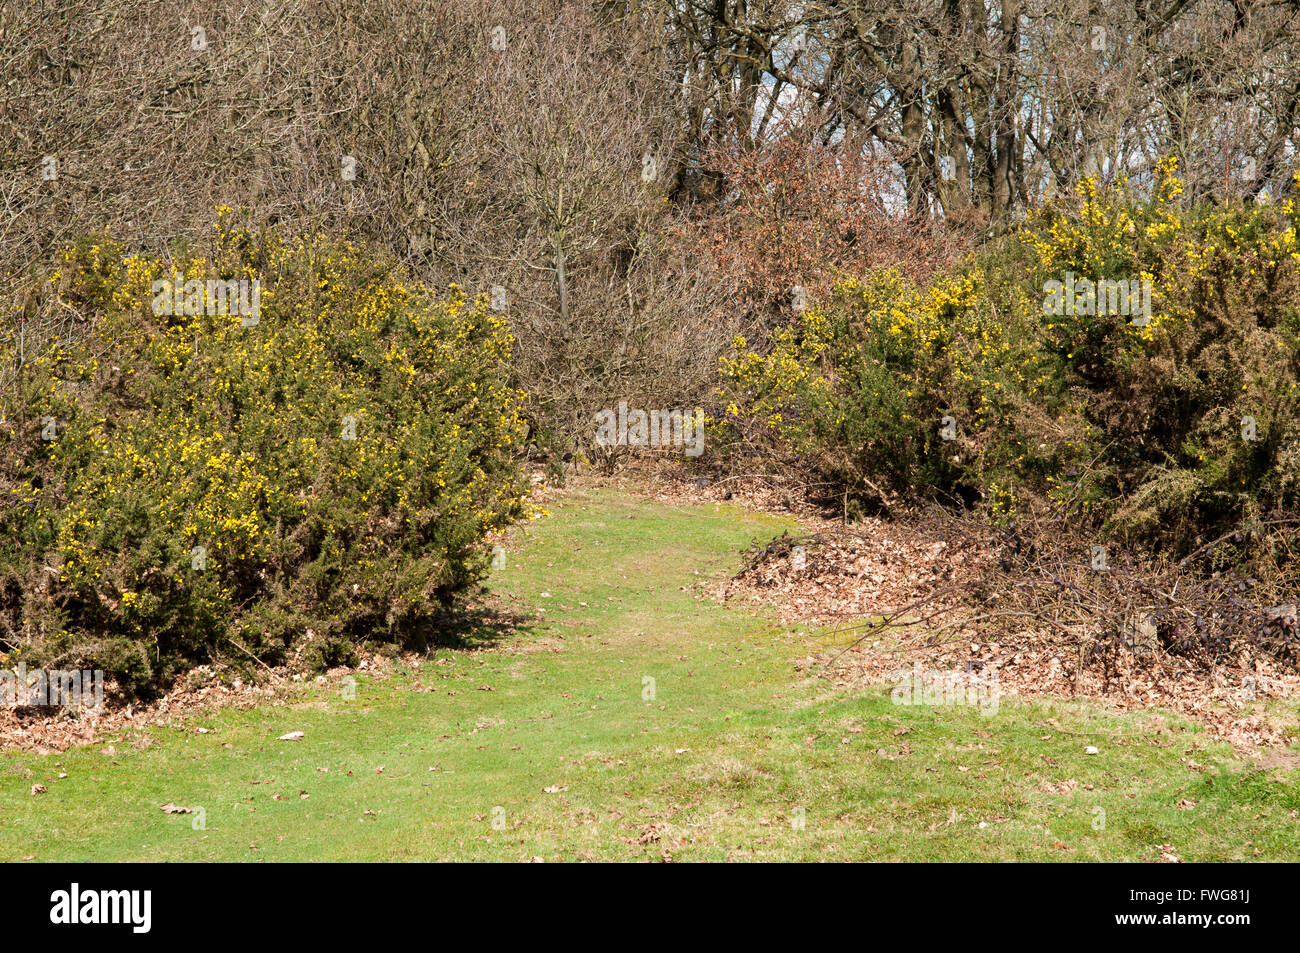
pixel 469 628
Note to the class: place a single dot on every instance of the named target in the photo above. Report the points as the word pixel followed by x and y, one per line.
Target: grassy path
pixel 566 757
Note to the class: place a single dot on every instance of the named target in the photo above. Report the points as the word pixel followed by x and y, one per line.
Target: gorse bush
pixel 861 392
pixel 276 486
pixel 1170 426
pixel 1191 417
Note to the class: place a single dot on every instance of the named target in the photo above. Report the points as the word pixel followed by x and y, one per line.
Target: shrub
pixel 223 489
pixel 861 393
pixel 1169 431
pixel 1195 411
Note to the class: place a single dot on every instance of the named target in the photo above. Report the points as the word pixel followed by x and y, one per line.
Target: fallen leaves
pixel 862 573
pixel 42 732
pixel 1059 787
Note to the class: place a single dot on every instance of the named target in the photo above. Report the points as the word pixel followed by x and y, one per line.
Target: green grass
pixel 734 748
